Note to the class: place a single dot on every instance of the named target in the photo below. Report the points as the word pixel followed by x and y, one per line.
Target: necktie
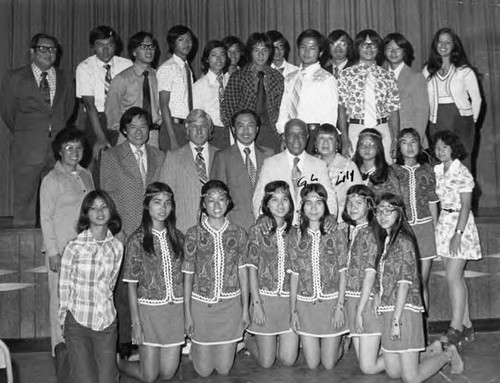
pixel 293 111
pixel 140 161
pixel 370 101
pixel 146 94
pixel 220 79
pixel 296 174
pixel 45 88
pixel 107 78
pixel 336 72
pixel 189 86
pixel 251 170
pixel 201 167
pixel 282 69
pixel 260 104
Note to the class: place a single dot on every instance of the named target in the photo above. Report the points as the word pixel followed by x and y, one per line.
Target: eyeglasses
pixel 385 210
pixel 366 145
pixel 73 149
pixel 144 47
pixel 340 43
pixel 368 45
pixel 46 49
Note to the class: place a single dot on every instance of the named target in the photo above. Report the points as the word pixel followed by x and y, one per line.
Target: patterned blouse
pixel 391 185
pixel 362 256
pixel 159 275
pixel 418 188
pixel 214 257
pixel 399 265
pixel 318 260
pixel 268 253
pixel 352 82
pixel 450 184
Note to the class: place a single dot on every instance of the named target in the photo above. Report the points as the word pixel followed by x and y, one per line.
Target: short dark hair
pixel 211 45
pixel 36 38
pixel 421 156
pixel 269 189
pixel 174 33
pixel 374 36
pixel 258 38
pixel 130 114
pixel 103 32
pixel 136 39
pixel 321 191
pixel 245 111
pixel 276 36
pixel 312 34
pixel 69 134
pixel 453 141
pixel 214 184
pixel 332 38
pixel 115 221
pixel 403 43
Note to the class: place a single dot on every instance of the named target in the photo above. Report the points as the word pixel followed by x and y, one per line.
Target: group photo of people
pixel 289 211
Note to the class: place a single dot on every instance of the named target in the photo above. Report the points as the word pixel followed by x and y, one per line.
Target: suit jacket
pixel 278 167
pixel 179 172
pixel 414 112
pixel 121 178
pixel 241 92
pixel 229 167
pixel 28 116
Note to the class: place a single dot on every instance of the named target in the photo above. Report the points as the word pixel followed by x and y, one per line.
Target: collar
pixel 283 65
pixel 242 147
pixel 178 60
pixel 340 66
pixel 193 147
pixel 360 226
pixel 301 156
pixel 159 233
pixel 266 69
pixel 398 69
pixel 212 76
pixel 102 63
pixel 135 148
pixel 38 72
pixel 310 69
pixel 87 235
pixel 59 167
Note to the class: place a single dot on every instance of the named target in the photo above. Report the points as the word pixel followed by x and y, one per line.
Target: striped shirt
pixel 89 271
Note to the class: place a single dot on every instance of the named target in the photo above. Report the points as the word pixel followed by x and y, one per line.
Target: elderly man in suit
pixel 126 170
pixel 239 166
pixel 36 102
pixel 295 167
pixel 188 168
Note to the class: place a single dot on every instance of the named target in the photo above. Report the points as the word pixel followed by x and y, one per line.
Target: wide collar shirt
pixel 242 147
pixel 51 79
pixel 204 153
pixel 206 95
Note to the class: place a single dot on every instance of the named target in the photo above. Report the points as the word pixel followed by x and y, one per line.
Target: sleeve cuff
pixel 405 281
pixel 187 272
pixel 130 280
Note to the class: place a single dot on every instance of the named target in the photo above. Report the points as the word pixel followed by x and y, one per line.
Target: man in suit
pixel 239 165
pixel 188 168
pixel 36 102
pixel 295 167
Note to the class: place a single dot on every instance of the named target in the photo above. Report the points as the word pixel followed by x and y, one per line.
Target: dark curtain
pixel 476 22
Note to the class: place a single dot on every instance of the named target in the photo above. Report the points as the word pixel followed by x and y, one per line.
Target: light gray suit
pixel 229 167
pixel 278 167
pixel 179 172
pixel 414 112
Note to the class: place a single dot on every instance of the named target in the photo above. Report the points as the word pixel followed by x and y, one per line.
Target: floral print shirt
pixel 318 260
pixel 362 255
pixel 418 189
pixel 351 87
pixel 158 276
pixel 214 257
pixel 449 185
pixel 398 264
pixel 268 253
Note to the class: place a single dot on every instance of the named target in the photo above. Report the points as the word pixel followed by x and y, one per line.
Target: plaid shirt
pixel 241 92
pixel 89 271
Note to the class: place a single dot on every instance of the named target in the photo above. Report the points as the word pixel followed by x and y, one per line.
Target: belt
pixel 178 120
pixel 450 210
pixel 362 122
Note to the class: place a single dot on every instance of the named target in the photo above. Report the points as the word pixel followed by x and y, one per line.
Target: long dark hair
pixel 458 56
pixel 115 221
pixel 421 156
pixel 403 43
pixel 381 172
pixel 321 191
pixel 269 190
pixel 214 184
pixel 173 235
pixel 401 226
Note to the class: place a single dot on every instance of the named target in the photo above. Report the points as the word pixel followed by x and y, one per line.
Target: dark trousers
pixel 92 354
pixel 122 310
pixel 88 161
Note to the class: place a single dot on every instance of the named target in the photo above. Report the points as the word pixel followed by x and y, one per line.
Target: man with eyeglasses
pixel 36 102
pixel 136 86
pixel 93 78
pixel 368 97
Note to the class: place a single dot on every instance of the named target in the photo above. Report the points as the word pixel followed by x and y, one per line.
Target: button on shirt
pixel 125 91
pixel 90 75
pixel 51 78
pixel 206 95
pixel 318 98
pixel 172 78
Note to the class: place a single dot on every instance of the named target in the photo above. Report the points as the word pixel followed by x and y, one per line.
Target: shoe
pixel 457 365
pixel 468 334
pixel 451 337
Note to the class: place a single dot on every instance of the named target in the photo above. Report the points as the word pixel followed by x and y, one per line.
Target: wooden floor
pixel 481 366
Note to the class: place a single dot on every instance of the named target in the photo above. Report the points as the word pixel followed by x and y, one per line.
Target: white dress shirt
pixel 206 95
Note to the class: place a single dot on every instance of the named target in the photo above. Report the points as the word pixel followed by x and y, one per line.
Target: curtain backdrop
pixel 476 22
